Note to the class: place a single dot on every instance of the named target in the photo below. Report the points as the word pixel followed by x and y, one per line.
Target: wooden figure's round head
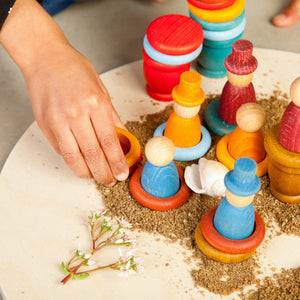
pixel 159 151
pixel 250 117
pixel 239 80
pixel 295 91
pixel 186 112
pixel 238 201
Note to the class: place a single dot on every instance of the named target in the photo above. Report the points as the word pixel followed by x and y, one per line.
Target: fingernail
pixel 122 176
pixel 281 17
pixel 110 184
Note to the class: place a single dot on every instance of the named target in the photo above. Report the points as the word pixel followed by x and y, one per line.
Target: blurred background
pixel 109 33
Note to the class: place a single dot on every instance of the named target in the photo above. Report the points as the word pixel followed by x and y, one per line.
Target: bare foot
pixel 289 16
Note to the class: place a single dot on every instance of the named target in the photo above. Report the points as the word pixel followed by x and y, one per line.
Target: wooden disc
pixel 175 34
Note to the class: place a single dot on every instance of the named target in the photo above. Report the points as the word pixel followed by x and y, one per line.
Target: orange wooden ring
pixel 216 254
pixel 224 157
pixel 131 148
pixel 156 203
pixel 229 245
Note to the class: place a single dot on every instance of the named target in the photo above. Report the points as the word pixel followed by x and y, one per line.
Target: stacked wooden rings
pixel 223 249
pixel 223 22
pixel 171 43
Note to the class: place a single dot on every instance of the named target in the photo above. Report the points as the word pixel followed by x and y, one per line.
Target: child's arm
pixel 70 103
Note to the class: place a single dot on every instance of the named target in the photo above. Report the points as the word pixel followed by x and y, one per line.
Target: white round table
pixel 44 209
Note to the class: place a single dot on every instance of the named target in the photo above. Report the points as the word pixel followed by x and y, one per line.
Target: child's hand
pixel 70 103
pixel 73 109
pixel 289 15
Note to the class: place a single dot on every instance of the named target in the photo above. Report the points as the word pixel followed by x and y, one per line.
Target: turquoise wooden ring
pixel 211 59
pixel 171 60
pixel 224 244
pixel 219 26
pixel 214 122
pixel 226 34
pixel 226 45
pixel 190 153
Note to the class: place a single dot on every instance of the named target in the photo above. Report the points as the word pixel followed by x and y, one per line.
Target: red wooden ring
pixel 212 1
pixel 229 245
pixel 156 203
pixel 215 254
pixel 211 5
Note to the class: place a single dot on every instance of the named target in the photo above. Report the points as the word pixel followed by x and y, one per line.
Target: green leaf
pixel 64 268
pixel 81 276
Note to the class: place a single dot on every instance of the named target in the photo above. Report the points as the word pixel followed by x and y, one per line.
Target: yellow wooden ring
pixel 220 15
pixel 224 157
pixel 127 138
pixel 215 254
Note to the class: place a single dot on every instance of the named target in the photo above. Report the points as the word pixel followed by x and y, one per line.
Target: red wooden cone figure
pixel 238 89
pixel 289 130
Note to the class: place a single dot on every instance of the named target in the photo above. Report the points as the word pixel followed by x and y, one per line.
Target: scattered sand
pixel 179 224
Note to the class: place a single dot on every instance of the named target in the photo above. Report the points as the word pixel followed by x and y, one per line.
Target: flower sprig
pixel 104 231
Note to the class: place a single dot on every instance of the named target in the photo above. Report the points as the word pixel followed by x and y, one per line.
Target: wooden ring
pixel 211 5
pixel 214 122
pixel 219 36
pixel 211 1
pixel 190 153
pixel 220 15
pixel 131 148
pixel 229 245
pixel 216 254
pixel 224 157
pixel 156 203
pixel 212 26
pixel 170 60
